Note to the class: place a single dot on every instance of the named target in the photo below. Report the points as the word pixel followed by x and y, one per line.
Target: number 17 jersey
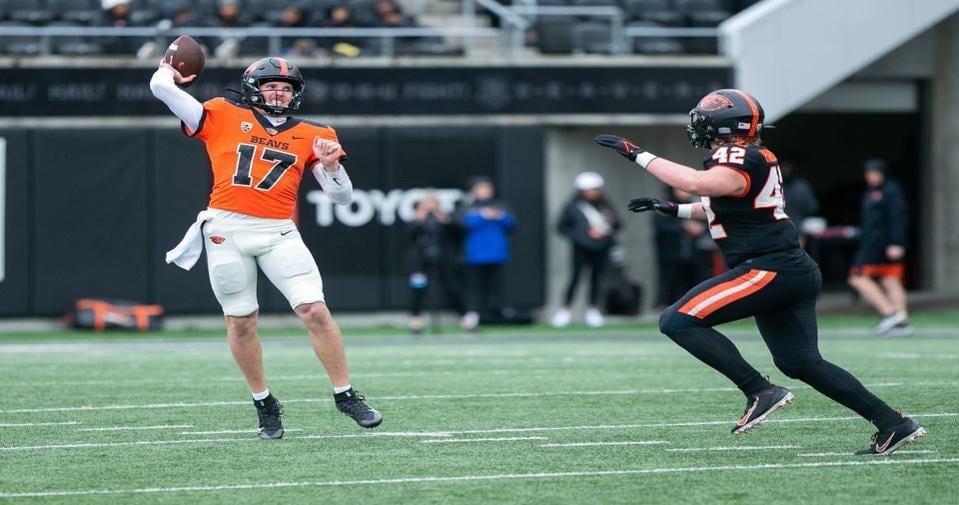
pixel 753 223
pixel 257 167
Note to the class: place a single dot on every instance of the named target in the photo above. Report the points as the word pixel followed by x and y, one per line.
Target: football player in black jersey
pixel 770 277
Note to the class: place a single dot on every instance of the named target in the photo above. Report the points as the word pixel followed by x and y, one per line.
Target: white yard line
pixel 412 434
pixel 94 445
pixel 620 442
pixel 466 440
pixel 735 448
pixel 474 478
pixel 614 392
pixel 125 444
pixel 379 398
pixel 133 428
pixel 229 432
pixel 18 425
pixel 279 378
pixel 830 454
pixel 467 432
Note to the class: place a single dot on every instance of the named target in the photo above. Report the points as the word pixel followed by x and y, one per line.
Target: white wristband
pixel 644 158
pixel 684 211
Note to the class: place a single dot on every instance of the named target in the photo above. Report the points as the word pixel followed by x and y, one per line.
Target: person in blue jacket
pixel 486 224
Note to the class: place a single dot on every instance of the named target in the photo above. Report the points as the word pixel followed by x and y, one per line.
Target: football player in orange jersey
pixel 258 154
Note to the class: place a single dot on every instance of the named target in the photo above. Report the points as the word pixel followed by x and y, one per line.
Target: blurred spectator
pixel 486 226
pixel 180 13
pixel 341 16
pixel 175 14
pixel 882 250
pixel 428 258
pixel 590 224
pixel 118 14
pixel 683 253
pixel 801 201
pixel 229 14
pixel 294 17
pixel 387 14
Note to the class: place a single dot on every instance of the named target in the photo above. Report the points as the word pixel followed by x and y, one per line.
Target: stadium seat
pixel 554 34
pixel 656 11
pixel 73 45
pixel 655 45
pixel 592 37
pixel 29 11
pixel 596 3
pixel 84 12
pixel 266 10
pixel 19 45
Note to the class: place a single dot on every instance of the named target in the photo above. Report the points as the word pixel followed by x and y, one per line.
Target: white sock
pixel 260 396
pixel 337 390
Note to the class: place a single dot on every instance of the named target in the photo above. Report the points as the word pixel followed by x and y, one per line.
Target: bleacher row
pixel 551 30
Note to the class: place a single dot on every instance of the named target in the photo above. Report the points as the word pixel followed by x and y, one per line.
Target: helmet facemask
pixel 698 131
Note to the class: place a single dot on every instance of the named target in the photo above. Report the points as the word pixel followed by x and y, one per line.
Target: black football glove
pixel 620 145
pixel 643 204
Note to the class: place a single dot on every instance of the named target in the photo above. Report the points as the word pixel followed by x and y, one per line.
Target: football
pixel 185 55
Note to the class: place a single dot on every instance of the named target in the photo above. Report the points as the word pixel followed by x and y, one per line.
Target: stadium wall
pixel 91 212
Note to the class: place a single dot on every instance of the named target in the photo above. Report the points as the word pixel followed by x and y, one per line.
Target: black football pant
pixel 596 261
pixel 437 275
pixel 784 305
pixel 484 287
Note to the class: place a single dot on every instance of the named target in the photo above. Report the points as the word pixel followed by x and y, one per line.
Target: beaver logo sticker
pixel 715 102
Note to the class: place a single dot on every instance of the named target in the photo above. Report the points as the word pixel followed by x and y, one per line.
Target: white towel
pixel 188 251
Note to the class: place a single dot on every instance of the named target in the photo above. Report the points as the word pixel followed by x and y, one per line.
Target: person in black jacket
pixel 801 201
pixel 590 224
pixel 882 249
pixel 428 259
pixel 683 253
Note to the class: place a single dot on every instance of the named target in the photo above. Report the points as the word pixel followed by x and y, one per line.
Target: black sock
pixel 266 401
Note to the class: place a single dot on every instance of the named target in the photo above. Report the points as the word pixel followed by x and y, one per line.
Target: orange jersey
pixel 257 167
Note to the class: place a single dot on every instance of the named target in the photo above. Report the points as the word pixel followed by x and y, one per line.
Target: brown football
pixel 186 56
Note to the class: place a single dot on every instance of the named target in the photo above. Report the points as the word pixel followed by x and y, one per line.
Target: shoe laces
pixel 270 413
pixel 354 403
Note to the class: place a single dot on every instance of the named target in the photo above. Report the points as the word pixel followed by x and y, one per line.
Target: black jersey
pixel 753 223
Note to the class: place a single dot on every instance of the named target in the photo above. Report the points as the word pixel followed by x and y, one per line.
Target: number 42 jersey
pixel 753 223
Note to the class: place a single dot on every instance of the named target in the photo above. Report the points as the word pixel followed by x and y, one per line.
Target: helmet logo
pixel 715 101
pixel 246 126
pixel 251 67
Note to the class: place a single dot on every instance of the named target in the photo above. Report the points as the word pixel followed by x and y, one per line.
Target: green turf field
pixel 511 416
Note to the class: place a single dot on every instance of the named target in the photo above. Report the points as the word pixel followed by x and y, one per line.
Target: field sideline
pixel 515 415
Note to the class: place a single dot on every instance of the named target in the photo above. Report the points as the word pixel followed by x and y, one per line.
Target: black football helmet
pixel 725 114
pixel 267 70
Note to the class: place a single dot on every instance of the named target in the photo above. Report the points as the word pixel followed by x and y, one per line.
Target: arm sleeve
pixel 897 216
pixel 181 103
pixel 336 185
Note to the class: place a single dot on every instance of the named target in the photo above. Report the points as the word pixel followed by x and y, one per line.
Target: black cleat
pixel 269 409
pixel 760 405
pixel 884 442
pixel 351 403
